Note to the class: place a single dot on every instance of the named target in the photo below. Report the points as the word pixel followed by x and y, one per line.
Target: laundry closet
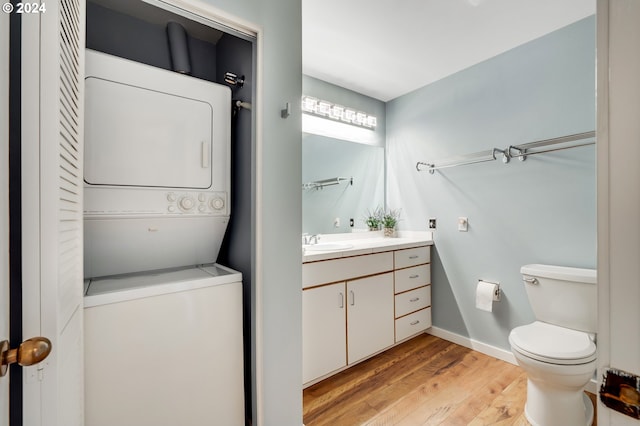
pixel 167 216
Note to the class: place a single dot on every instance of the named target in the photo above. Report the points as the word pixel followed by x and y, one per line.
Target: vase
pixel 389 232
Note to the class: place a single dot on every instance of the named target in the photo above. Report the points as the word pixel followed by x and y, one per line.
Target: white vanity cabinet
pixel 369 316
pixel 356 306
pixel 324 336
pixel 348 320
pixel 412 276
pixel 345 322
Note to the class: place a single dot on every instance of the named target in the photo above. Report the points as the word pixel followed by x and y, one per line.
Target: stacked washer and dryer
pixel 163 321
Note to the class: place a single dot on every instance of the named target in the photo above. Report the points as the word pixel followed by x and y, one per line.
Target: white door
pixel 618 97
pixel 4 203
pixel 52 134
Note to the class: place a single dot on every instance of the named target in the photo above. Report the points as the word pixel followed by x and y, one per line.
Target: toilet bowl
pixel 559 363
pixel 558 350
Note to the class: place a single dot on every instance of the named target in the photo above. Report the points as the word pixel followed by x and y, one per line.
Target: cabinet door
pixel 324 340
pixel 370 319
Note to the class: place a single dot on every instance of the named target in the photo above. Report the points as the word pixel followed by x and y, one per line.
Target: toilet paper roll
pixel 484 295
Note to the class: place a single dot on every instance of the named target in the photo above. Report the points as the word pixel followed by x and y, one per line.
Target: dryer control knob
pixel 187 203
pixel 217 203
pixel 171 197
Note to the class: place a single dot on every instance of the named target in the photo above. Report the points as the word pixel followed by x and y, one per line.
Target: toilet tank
pixel 563 296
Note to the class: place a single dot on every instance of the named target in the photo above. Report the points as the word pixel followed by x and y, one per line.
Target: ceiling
pixel 387 48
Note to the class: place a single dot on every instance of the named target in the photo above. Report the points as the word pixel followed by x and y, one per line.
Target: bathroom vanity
pixel 360 297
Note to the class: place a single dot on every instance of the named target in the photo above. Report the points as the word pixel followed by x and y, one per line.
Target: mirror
pixel 326 158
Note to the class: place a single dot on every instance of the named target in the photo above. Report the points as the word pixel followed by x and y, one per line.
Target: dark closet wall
pixel 236 250
pixel 131 38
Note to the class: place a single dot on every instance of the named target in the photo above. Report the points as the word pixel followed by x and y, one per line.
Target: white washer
pixel 164 348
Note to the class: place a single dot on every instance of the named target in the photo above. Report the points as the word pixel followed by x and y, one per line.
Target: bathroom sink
pixel 326 246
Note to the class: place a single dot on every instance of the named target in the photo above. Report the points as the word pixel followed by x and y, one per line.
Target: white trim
pixel 602 189
pixel 489 350
pixel 30 198
pixel 258 403
pixel 212 13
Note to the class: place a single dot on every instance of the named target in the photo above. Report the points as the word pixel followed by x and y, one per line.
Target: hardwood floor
pixel 424 381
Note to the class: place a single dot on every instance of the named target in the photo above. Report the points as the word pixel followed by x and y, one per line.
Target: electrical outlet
pixel 463 224
pixel 351 223
pixel 336 222
pixel 432 223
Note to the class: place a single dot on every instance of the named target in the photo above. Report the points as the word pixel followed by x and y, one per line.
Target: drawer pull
pixel 415 299
pixel 415 322
pixel 414 276
pixel 415 256
pixel 341 300
pixel 353 298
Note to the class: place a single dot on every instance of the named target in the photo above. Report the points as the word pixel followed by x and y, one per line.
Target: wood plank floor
pixel 424 381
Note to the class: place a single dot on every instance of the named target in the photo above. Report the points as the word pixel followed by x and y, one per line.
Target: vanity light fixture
pixel 337 112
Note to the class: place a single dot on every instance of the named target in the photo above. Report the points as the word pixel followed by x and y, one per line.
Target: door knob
pixel 30 352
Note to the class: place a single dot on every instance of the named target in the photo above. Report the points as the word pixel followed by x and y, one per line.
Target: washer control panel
pixel 134 202
pixel 196 203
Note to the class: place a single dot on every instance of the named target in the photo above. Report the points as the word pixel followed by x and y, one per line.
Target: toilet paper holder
pixel 496 292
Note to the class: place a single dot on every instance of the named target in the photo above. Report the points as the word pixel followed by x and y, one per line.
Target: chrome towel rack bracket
pixel 521 152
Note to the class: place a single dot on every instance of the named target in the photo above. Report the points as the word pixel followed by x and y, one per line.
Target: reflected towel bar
pixel 320 184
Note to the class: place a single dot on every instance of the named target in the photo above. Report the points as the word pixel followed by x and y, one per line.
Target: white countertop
pixel 366 243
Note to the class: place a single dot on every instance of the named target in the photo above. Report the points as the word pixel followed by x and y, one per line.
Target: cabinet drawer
pixel 412 324
pixel 411 257
pixel 329 271
pixel 413 300
pixel 410 278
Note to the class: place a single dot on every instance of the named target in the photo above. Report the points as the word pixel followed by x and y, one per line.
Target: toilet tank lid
pixel 560 273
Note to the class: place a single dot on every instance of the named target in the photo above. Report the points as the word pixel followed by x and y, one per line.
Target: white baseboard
pixel 490 350
pixel 467 342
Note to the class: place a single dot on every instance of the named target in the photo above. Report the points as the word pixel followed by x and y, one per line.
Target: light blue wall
pixel 539 211
pixel 277 239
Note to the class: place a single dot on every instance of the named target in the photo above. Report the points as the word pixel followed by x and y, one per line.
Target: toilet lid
pixel 553 344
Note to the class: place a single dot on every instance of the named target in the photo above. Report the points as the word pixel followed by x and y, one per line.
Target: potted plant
pixel 374 219
pixel 389 220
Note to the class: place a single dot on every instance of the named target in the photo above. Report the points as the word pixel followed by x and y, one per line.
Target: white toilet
pixel 558 350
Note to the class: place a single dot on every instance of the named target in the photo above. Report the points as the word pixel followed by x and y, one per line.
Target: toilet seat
pixel 552 344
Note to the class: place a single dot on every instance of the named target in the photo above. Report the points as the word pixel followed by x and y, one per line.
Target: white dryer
pixel 156 167
pixel 164 348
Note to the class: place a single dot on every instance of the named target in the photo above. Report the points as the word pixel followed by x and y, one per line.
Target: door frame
pixel 213 14
pixel 618 130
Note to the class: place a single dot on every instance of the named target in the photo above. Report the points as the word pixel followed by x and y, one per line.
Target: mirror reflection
pixel 329 209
